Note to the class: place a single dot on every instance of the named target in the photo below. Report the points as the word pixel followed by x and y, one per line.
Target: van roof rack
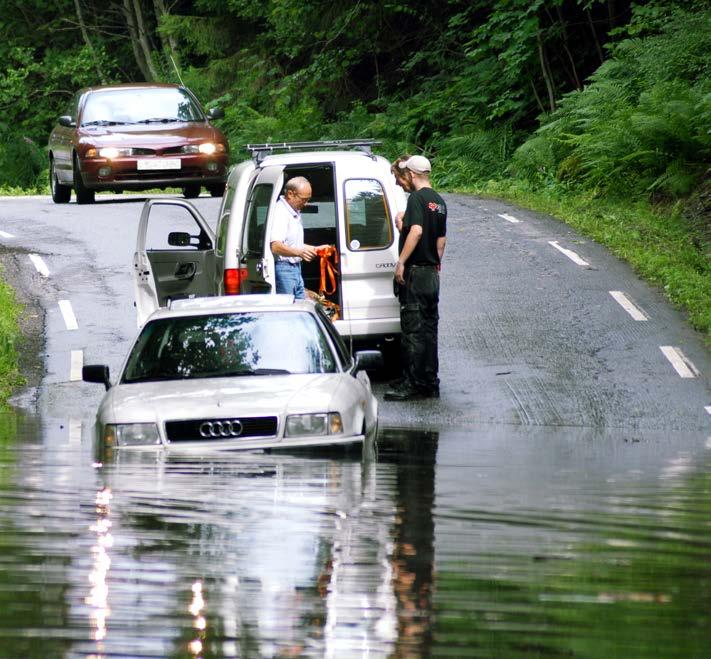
pixel 260 151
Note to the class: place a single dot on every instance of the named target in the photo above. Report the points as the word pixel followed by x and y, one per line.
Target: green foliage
pixel 9 335
pixel 22 162
pixel 643 124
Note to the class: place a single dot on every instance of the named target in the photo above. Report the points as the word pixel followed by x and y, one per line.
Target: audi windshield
pixel 229 345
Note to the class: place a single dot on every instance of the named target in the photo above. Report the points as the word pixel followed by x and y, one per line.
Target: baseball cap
pixel 417 164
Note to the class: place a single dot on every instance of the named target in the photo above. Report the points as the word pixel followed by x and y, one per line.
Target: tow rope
pixel 329 271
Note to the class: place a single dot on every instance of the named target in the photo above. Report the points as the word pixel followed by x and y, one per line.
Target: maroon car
pixel 136 137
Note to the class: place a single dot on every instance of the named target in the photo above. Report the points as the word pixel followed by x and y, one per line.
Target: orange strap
pixel 328 269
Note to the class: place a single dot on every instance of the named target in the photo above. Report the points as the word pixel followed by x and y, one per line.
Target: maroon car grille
pixel 135 175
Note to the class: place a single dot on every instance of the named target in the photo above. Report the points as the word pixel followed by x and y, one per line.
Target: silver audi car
pixel 242 372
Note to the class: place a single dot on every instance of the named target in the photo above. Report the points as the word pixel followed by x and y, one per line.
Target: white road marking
pixel 5 234
pixel 628 306
pixel 708 409
pixel 75 365
pixel 508 218
pixel 70 320
pixel 569 253
pixel 680 363
pixel 75 431
pixel 39 264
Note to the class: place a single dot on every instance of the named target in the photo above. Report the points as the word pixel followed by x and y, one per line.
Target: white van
pixel 353 207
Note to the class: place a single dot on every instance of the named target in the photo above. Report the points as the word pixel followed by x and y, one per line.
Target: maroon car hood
pixel 152 135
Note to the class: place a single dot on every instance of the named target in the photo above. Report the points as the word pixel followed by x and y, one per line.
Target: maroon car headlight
pixel 207 148
pixel 111 152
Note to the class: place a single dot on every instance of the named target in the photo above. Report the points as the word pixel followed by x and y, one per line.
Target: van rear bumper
pixel 372 328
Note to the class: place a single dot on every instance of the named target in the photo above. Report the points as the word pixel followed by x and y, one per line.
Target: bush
pixel 22 162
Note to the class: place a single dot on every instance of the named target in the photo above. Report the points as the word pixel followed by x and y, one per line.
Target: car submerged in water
pixel 251 372
pixel 136 137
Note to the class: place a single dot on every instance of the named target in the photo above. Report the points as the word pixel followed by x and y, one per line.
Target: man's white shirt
pixel 287 228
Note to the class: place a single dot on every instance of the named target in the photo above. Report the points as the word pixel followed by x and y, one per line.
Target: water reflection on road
pixel 489 542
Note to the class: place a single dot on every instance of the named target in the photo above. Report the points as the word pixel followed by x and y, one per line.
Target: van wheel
pixel 191 191
pixel 84 195
pixel 392 358
pixel 61 194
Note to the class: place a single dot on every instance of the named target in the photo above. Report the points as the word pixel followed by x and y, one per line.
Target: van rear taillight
pixel 232 280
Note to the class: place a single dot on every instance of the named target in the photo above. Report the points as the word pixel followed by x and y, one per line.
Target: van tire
pixel 191 191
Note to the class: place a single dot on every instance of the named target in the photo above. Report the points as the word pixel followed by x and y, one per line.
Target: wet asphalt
pixel 540 327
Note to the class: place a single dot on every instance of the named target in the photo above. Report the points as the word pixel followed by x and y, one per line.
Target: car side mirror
pixel 368 360
pixel 66 121
pixel 98 373
pixel 179 239
pixel 215 113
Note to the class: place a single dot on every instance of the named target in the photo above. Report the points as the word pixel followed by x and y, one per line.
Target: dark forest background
pixel 605 94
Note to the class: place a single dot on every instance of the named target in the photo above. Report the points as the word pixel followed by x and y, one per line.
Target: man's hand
pixel 400 273
pixel 398 220
pixel 308 253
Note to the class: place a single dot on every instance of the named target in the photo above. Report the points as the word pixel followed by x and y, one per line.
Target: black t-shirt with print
pixel 426 208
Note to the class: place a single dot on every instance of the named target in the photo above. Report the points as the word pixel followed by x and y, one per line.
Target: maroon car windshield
pixel 135 106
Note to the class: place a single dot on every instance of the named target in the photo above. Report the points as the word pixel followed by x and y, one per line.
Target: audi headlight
pixel 131 434
pixel 110 152
pixel 299 425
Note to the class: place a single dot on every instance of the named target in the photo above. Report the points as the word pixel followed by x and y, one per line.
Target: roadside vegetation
pixel 596 111
pixel 9 336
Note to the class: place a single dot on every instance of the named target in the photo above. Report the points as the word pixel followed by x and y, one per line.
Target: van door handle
pixel 185 271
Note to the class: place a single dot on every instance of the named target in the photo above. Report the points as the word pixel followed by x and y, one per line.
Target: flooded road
pixel 554 502
pixel 528 542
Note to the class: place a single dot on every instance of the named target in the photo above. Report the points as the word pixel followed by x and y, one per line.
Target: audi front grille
pixel 210 430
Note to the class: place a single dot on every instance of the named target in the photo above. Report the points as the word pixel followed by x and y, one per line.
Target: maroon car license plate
pixel 158 163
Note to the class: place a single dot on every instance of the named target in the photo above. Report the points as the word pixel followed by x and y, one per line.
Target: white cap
pixel 417 164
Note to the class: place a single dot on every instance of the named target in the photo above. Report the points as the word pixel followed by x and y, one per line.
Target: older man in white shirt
pixel 287 237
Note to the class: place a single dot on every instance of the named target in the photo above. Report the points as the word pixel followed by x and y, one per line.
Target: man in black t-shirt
pixel 423 238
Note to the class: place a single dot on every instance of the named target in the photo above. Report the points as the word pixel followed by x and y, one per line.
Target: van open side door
pixel 174 258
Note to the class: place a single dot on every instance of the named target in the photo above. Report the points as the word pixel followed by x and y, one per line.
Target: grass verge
pixel 10 377
pixel 659 244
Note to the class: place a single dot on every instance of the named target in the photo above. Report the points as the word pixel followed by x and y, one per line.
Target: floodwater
pixel 486 542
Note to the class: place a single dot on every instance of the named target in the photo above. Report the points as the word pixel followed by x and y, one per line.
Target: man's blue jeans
pixel 288 279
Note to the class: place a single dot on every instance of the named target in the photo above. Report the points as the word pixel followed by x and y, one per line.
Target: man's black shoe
pixel 404 393
pixel 431 392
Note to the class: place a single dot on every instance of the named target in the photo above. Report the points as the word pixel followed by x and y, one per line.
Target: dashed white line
pixel 70 320
pixel 39 264
pixel 681 364
pixel 629 306
pixel 568 252
pixel 5 234
pixel 75 365
pixel 708 409
pixel 508 218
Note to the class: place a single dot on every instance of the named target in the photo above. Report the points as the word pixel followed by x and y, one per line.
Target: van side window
pixel 224 223
pixel 368 224
pixel 257 220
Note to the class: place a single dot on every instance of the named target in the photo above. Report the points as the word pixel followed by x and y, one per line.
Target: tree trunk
pixel 594 33
pixel 545 69
pixel 564 28
pixel 170 46
pixel 133 36
pixel 539 102
pixel 143 40
pixel 87 41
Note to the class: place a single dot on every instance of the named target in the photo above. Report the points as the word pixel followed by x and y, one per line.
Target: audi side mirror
pixel 368 360
pixel 98 373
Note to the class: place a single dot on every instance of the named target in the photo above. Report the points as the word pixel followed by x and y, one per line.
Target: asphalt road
pixel 539 326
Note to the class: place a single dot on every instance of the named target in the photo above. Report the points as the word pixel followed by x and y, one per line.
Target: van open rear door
pixel 174 258
pixel 256 254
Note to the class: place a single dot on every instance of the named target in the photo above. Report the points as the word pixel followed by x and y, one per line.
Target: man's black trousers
pixel 419 318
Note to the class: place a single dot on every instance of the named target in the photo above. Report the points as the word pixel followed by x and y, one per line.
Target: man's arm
pixel 413 237
pixel 441 244
pixel 307 252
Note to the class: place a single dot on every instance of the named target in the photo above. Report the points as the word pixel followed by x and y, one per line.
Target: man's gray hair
pixel 296 183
